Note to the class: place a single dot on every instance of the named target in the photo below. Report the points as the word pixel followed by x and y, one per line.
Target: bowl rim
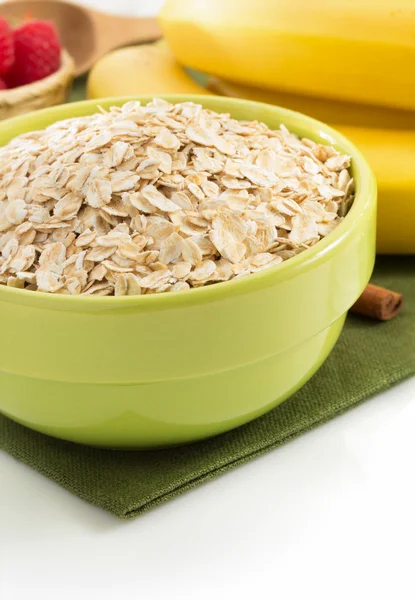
pixel 297 122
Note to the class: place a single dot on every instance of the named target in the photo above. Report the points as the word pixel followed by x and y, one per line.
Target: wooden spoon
pixel 87 34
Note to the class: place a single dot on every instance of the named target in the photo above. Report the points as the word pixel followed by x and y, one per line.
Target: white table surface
pixel 329 515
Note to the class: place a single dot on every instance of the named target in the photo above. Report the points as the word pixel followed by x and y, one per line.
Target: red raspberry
pixel 37 52
pixel 6 47
pixel 3 85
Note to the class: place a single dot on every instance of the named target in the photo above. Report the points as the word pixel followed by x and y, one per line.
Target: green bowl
pixel 167 369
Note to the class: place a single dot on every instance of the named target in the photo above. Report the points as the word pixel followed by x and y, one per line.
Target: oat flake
pixel 159 198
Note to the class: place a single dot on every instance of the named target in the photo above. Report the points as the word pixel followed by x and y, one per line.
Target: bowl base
pixel 140 416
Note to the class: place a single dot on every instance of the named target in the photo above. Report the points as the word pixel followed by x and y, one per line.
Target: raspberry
pixel 37 52
pixel 6 47
pixel 3 85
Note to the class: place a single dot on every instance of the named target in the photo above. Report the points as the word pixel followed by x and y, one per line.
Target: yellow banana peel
pixel 391 154
pixel 145 69
pixel 329 111
pixel 355 50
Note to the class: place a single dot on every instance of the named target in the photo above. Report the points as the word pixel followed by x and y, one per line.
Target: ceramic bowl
pixel 167 369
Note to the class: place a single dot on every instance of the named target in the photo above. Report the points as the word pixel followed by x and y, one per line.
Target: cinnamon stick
pixel 378 303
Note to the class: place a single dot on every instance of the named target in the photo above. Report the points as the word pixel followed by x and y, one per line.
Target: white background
pixel 330 515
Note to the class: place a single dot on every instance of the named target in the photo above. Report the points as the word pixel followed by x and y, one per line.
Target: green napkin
pixel 368 358
pixel 78 91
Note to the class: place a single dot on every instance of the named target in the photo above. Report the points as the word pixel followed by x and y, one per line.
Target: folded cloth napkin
pixel 368 358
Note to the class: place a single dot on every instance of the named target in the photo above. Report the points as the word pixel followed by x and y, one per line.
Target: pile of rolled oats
pixel 157 198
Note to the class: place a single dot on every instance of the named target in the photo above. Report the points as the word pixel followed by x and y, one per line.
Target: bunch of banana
pixel 346 62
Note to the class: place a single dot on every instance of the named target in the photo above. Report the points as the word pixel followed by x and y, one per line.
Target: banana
pixel 145 69
pixel 391 154
pixel 329 111
pixel 161 44
pixel 353 50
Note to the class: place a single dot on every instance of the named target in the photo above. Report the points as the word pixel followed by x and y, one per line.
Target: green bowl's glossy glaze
pixel 172 368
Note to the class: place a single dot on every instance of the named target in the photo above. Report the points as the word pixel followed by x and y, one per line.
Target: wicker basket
pixel 40 94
